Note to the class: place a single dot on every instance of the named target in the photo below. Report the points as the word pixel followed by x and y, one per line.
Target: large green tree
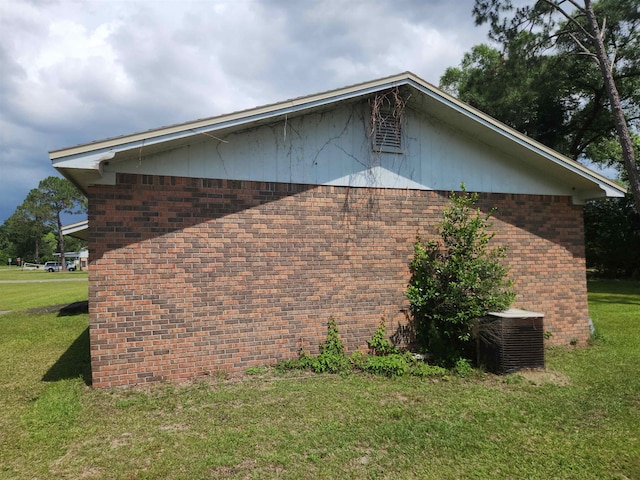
pixel 61 196
pixel 28 224
pixel 6 246
pixel 40 214
pixel 566 72
pixel 527 93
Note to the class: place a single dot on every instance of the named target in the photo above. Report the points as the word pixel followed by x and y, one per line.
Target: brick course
pixel 193 276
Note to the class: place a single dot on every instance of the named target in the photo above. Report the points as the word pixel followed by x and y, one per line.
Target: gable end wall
pixel 193 276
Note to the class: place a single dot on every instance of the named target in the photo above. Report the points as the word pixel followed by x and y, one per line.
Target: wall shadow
pixel 76 308
pixel 145 207
pixel 552 218
pixel 74 363
pixel 405 333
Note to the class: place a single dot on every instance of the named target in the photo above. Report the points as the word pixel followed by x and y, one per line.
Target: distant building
pixel 78 230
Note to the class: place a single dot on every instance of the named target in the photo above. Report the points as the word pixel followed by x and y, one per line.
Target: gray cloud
pixel 73 71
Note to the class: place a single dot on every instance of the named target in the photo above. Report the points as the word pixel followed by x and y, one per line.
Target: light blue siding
pixel 333 148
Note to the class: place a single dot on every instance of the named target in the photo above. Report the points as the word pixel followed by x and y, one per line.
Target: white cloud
pixel 74 71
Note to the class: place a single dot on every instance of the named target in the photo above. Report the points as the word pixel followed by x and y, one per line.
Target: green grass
pixel 33 295
pixel 15 273
pixel 579 419
pixel 32 289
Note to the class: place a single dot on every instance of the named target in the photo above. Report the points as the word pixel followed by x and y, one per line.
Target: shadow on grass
pixel 624 292
pixel 613 300
pixel 76 308
pixel 76 361
pixel 618 287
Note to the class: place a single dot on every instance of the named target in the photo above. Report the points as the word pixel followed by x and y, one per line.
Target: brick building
pixel 228 242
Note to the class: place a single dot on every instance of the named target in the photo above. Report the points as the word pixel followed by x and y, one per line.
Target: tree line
pixel 33 233
pixel 567 73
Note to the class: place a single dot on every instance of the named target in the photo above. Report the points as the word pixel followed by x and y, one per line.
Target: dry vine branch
pixel 389 104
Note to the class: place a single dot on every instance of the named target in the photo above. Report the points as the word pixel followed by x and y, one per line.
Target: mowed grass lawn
pixel 32 288
pixel 578 420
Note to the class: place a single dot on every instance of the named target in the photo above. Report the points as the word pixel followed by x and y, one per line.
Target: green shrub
pixel 398 365
pixel 303 362
pixel 456 281
pixel 259 370
pixel 332 345
pixel 357 359
pixel 329 363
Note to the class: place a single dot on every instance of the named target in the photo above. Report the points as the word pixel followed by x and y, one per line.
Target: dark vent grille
pixel 388 133
pixel 509 344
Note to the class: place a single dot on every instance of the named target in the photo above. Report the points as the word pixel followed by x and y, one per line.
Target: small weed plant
pixel 384 359
pixel 380 344
pixel 463 368
pixel 257 370
pixel 332 358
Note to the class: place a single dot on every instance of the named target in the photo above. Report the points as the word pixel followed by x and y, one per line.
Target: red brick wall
pixel 194 276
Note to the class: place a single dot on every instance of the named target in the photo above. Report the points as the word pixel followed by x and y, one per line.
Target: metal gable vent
pixel 388 133
pixel 510 341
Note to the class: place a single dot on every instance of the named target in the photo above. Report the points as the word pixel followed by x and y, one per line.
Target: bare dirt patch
pixel 541 377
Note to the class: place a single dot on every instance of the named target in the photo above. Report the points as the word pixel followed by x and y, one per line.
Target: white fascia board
pixel 91 161
pixel 75 227
pixel 83 170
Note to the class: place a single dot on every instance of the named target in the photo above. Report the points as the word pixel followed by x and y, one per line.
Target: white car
pixel 56 267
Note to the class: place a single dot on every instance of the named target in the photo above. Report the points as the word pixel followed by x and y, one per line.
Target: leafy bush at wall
pixel 457 280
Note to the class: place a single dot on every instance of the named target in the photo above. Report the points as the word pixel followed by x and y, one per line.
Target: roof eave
pixel 603 187
pixel 207 125
pixel 83 163
pixel 77 230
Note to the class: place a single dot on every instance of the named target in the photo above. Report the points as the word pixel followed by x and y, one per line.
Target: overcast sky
pixel 75 71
